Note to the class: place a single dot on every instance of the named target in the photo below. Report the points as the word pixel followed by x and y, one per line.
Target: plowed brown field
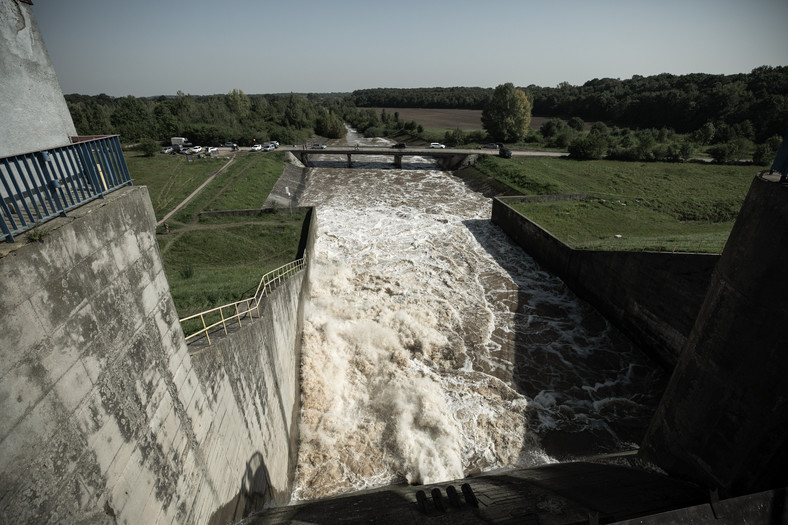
pixel 464 119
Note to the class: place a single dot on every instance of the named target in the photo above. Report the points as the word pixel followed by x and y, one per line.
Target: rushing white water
pixel 434 347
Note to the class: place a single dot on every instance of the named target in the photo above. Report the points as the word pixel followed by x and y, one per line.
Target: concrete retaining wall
pixel 35 114
pixel 723 418
pixel 107 418
pixel 652 297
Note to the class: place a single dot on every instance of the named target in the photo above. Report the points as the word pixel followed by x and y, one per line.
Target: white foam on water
pixel 426 333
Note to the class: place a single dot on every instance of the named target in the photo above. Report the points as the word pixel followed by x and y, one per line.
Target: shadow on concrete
pixel 562 493
pixel 589 389
pixel 252 496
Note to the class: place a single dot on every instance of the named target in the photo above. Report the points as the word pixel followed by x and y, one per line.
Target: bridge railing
pixel 37 186
pixel 218 319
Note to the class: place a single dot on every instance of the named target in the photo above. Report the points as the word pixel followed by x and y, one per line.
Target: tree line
pixel 635 119
pixel 214 119
pixel 750 105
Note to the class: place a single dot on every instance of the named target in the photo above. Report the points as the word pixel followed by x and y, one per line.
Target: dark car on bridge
pixel 399 145
pixel 505 153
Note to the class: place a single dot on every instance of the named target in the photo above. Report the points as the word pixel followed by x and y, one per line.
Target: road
pixel 341 149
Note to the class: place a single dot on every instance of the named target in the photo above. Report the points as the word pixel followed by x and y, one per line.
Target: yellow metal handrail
pixel 243 307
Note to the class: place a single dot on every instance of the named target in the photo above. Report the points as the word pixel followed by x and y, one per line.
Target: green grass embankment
pixel 630 206
pixel 209 260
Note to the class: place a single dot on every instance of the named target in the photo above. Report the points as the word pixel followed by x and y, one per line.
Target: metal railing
pixel 232 313
pixel 37 186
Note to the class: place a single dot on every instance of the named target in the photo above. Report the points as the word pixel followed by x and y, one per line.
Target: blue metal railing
pixel 37 186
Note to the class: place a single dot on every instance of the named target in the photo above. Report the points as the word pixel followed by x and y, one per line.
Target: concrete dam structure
pixel 109 417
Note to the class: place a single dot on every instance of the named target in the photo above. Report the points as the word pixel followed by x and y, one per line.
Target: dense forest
pixel 214 119
pixel 752 105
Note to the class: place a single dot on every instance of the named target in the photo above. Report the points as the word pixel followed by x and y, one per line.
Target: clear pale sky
pixel 146 47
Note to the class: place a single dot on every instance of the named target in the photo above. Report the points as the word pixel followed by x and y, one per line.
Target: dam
pixel 421 367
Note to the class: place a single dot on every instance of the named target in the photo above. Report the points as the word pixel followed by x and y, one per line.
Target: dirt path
pixel 185 201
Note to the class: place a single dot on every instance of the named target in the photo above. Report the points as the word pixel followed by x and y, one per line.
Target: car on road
pixel 229 144
pixel 269 147
pixel 491 145
pixel 506 153
pixel 437 145
pixel 399 145
pixel 213 150
pixel 275 143
pixel 318 146
pixel 168 149
pixel 257 147
pixel 196 149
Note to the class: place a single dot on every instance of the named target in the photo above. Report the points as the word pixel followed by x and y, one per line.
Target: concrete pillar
pixel 349 161
pixel 35 114
pixel 398 161
pixel 723 418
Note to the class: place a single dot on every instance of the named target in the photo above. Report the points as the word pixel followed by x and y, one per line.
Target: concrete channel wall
pixel 652 297
pixel 723 418
pixel 107 418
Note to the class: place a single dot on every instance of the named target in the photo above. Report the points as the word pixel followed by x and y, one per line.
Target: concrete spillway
pixel 434 347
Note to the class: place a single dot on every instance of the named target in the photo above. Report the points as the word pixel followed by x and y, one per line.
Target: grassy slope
pixel 214 261
pixel 652 206
pixel 169 178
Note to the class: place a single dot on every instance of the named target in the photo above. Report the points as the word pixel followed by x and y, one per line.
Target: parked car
pixel 269 147
pixel 229 144
pixel 437 145
pixel 168 149
pixel 196 149
pixel 399 145
pixel 257 147
pixel 505 153
pixel 491 145
pixel 213 150
pixel 318 146
pixel 275 143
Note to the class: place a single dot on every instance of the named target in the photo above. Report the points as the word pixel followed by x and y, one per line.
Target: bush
pixel 374 132
pixel 722 152
pixel 455 137
pixel 588 147
pixel 148 146
pixel 765 153
pixel 576 123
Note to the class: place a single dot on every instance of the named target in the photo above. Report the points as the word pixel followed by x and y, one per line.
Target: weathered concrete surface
pixel 257 367
pixel 653 298
pixel 106 416
pixel 723 418
pixel 579 492
pixel 292 180
pixel 35 115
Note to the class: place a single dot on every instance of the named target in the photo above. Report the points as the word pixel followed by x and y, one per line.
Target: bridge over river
pixel 452 155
